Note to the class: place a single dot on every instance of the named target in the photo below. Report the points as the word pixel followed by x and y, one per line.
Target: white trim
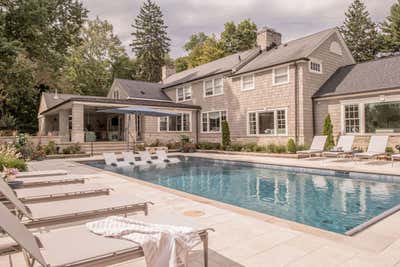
pixel 213 86
pixel 183 87
pixel 208 123
pixel 288 75
pixel 168 131
pixel 274 110
pixel 241 82
pixel 316 61
pixel 151 99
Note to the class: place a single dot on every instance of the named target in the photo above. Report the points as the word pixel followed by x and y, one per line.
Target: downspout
pixel 296 103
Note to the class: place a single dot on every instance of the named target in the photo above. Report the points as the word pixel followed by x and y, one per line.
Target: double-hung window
pixel 270 122
pixel 211 121
pixel 280 75
pixel 184 93
pixel 213 87
pixel 352 118
pixel 180 123
pixel 247 82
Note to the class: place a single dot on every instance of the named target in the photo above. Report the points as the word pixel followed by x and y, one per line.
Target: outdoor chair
pixel 133 159
pixel 111 160
pixel 343 147
pixel 41 173
pixel 146 156
pixel 71 210
pixel 377 147
pixel 41 181
pixel 162 155
pixel 395 157
pixel 317 146
pixel 77 246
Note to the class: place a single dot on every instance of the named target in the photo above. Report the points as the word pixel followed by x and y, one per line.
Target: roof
pixel 142 89
pixel 218 66
pixel 53 99
pixel 287 52
pixel 140 102
pixel 363 77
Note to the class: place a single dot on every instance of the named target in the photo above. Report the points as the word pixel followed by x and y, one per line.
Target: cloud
pixel 292 18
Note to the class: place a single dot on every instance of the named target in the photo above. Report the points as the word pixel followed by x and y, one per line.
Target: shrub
pixel 389 150
pixel 280 149
pixel 226 135
pixel 209 146
pixel 259 149
pixel 50 148
pixel 72 149
pixel 188 148
pixel 291 146
pixel 249 147
pixel 301 147
pixel 38 153
pixel 235 147
pixel 328 130
pixel 6 162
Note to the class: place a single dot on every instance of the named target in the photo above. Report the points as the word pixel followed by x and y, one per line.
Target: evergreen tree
pixel 150 41
pixel 328 131
pixel 360 33
pixel 226 135
pixel 391 29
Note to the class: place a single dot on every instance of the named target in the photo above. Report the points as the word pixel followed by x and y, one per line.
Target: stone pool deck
pixel 247 238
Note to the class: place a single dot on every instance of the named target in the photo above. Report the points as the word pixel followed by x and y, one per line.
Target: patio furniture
pixel 77 246
pixel 71 210
pixel 377 146
pixel 41 173
pixel 51 193
pixel 395 157
pixel 111 160
pixel 317 146
pixel 133 159
pixel 343 147
pixel 162 155
pixel 146 156
pixel 50 180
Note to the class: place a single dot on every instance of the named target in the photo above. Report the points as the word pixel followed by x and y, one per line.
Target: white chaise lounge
pixel 162 155
pixel 343 147
pixel 111 160
pixel 317 146
pixel 377 147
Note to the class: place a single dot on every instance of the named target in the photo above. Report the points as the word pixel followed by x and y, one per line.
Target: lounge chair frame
pixel 27 184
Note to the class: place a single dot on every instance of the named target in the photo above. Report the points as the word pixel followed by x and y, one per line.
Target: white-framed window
pixel 267 122
pixel 213 87
pixel 352 118
pixel 315 66
pixel 211 122
pixel 116 94
pixel 247 82
pixel 183 93
pixel 280 75
pixel 180 123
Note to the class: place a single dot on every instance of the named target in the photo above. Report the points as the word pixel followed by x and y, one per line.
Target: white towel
pixel 163 245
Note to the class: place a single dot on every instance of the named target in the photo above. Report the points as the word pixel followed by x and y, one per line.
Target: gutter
pixel 372 91
pixel 198 78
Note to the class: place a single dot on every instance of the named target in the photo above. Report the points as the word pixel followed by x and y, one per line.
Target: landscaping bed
pixel 257 154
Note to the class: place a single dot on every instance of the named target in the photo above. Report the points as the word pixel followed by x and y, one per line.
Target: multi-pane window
pixel 247 82
pixel 315 66
pixel 352 118
pixel 211 121
pixel 184 93
pixel 180 123
pixel 280 75
pixel 267 122
pixel 116 94
pixel 213 87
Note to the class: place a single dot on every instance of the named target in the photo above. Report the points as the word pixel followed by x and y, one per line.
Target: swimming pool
pixel 328 202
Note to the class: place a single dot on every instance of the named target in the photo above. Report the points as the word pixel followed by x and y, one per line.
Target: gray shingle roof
pixel 374 75
pixel 52 100
pixel 141 89
pixel 287 52
pixel 218 66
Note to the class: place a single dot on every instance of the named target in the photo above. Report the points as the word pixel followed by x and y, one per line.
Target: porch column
pixel 63 125
pixel 42 125
pixel 77 133
pixel 132 129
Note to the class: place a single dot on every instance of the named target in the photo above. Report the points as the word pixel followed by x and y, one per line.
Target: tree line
pixel 48 45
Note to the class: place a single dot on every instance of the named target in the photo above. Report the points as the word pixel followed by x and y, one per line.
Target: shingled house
pixel 271 93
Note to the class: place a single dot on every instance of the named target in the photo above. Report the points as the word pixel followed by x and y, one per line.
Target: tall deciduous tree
pixel 195 40
pixel 360 32
pixel 150 41
pixel 391 29
pixel 91 65
pixel 239 38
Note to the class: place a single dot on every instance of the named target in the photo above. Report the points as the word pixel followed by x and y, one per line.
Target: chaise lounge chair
pixel 41 173
pixel 71 210
pixel 50 180
pixel 77 246
pixel 146 156
pixel 111 160
pixel 163 156
pixel 133 159
pixel 317 146
pixel 51 193
pixel 343 147
pixel 395 157
pixel 377 147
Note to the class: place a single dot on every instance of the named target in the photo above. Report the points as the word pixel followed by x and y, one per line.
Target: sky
pixel 292 18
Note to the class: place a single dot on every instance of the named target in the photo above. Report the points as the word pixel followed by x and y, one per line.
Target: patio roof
pixel 135 102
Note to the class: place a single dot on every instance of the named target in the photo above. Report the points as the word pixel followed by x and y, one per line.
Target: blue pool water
pixel 332 203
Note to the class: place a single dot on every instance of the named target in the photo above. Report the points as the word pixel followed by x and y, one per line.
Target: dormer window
pixel 315 66
pixel 183 93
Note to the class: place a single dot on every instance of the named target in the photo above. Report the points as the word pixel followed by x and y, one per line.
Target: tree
pixel 328 131
pixel 360 33
pixel 150 41
pixel 181 64
pixel 92 65
pixel 226 135
pixel 291 146
pixel 391 29
pixel 195 40
pixel 239 38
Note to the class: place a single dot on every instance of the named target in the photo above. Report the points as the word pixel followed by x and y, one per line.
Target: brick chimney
pixel 268 38
pixel 166 71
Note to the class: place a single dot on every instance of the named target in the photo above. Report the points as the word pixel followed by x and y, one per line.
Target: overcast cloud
pixel 292 18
